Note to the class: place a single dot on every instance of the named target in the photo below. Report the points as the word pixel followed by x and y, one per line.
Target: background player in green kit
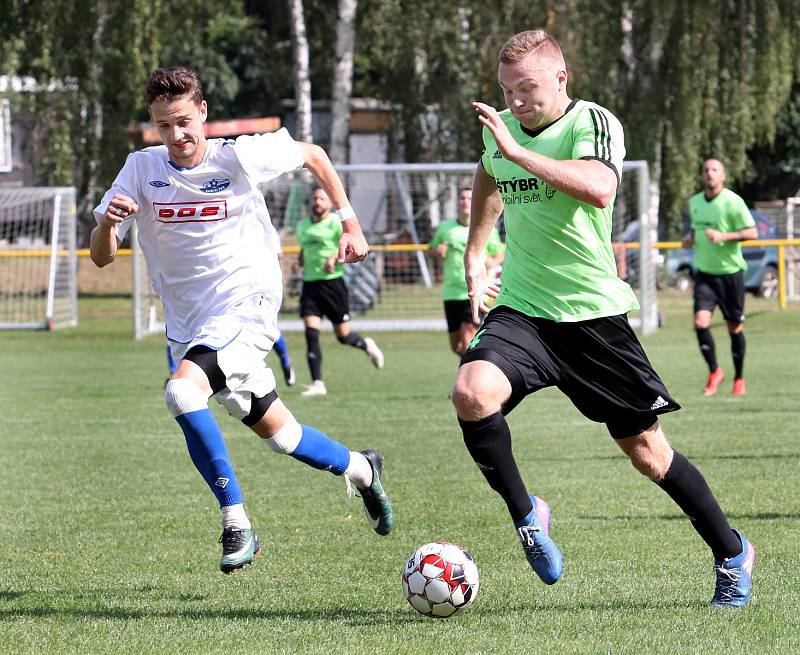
pixel 720 221
pixel 449 242
pixel 560 319
pixel 324 290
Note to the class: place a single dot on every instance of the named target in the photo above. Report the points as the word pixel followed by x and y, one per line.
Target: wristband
pixel 345 213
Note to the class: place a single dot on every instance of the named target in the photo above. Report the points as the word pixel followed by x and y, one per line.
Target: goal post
pixel 38 258
pixel 399 206
pixel 148 317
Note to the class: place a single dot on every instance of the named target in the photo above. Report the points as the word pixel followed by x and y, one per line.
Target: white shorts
pixel 242 338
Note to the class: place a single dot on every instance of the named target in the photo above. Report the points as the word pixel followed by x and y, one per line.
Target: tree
pixel 342 80
pixel 302 84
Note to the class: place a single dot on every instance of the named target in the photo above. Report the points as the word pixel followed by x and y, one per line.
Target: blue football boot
pixel 543 555
pixel 734 577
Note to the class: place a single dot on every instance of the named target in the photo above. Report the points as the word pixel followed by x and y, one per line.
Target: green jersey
pixel 319 241
pixel 559 261
pixel 725 212
pixel 454 235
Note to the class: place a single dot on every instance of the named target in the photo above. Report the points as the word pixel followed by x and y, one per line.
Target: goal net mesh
pixel 38 264
pixel 399 207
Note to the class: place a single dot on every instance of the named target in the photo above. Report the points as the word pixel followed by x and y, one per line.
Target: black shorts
pixel 327 298
pixel 727 291
pixel 599 364
pixel 457 312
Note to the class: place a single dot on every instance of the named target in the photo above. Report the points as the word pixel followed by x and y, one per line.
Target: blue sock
pixel 317 449
pixel 210 456
pixel 283 351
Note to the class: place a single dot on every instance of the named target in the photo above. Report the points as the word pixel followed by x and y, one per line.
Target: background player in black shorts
pixel 324 290
pixel 720 222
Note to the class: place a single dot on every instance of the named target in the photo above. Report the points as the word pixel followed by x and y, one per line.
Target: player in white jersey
pixel 204 229
pixel 280 347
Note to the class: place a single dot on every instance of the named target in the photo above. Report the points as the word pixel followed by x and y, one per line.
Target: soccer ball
pixel 440 579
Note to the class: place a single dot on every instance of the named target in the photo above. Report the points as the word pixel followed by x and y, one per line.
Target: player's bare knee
pixel 474 400
pixel 644 461
pixel 183 396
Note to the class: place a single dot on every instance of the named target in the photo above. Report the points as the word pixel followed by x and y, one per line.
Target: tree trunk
pixel 342 80
pixel 96 72
pixel 302 83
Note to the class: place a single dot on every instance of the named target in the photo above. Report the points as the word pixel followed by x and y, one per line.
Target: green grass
pixel 108 535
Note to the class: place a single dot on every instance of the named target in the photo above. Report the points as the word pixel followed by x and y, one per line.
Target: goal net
pixel 38 260
pixel 399 207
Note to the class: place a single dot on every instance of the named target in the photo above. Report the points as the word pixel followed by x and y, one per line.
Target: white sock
pixel 234 516
pixel 359 470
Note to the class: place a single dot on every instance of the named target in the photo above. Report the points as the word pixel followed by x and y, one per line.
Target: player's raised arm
pixel 104 242
pixel 352 244
pixel 587 180
pixel 486 207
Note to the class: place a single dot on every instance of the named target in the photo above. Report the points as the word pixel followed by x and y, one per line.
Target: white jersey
pixel 205 230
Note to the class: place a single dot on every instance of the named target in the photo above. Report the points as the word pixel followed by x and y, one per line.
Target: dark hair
pixel 465 188
pixel 170 83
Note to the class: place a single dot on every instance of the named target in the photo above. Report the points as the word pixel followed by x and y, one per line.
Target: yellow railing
pixel 781 244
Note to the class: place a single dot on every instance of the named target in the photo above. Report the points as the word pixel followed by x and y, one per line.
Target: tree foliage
pixel 686 79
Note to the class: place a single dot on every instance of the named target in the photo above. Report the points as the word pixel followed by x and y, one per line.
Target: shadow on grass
pixel 756 516
pixel 353 617
pixel 11 595
pixel 694 458
pixel 608 605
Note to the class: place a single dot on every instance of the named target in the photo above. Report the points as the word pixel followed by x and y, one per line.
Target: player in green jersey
pixel 449 242
pixel 324 290
pixel 720 222
pixel 553 163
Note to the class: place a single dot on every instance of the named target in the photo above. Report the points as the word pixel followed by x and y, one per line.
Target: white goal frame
pixel 38 258
pixel 636 207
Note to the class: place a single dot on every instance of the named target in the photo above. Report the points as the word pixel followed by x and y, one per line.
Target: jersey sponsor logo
pixel 524 191
pixel 215 184
pixel 497 154
pixel 191 212
pixel 158 184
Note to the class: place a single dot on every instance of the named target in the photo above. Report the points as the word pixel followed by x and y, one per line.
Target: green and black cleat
pixel 377 505
pixel 239 547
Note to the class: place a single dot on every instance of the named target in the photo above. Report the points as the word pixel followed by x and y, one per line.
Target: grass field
pixel 108 535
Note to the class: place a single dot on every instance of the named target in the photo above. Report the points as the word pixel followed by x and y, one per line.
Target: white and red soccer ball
pixel 440 579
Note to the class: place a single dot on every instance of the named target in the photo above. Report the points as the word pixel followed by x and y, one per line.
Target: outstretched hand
pixel 489 116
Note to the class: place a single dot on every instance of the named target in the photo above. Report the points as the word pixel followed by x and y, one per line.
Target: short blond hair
pixel 525 43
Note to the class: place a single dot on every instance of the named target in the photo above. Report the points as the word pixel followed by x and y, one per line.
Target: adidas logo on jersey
pixel 660 402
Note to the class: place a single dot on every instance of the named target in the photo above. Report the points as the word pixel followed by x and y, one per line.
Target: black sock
pixel 706 341
pixel 689 489
pixel 737 350
pixel 488 440
pixel 313 353
pixel 353 339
